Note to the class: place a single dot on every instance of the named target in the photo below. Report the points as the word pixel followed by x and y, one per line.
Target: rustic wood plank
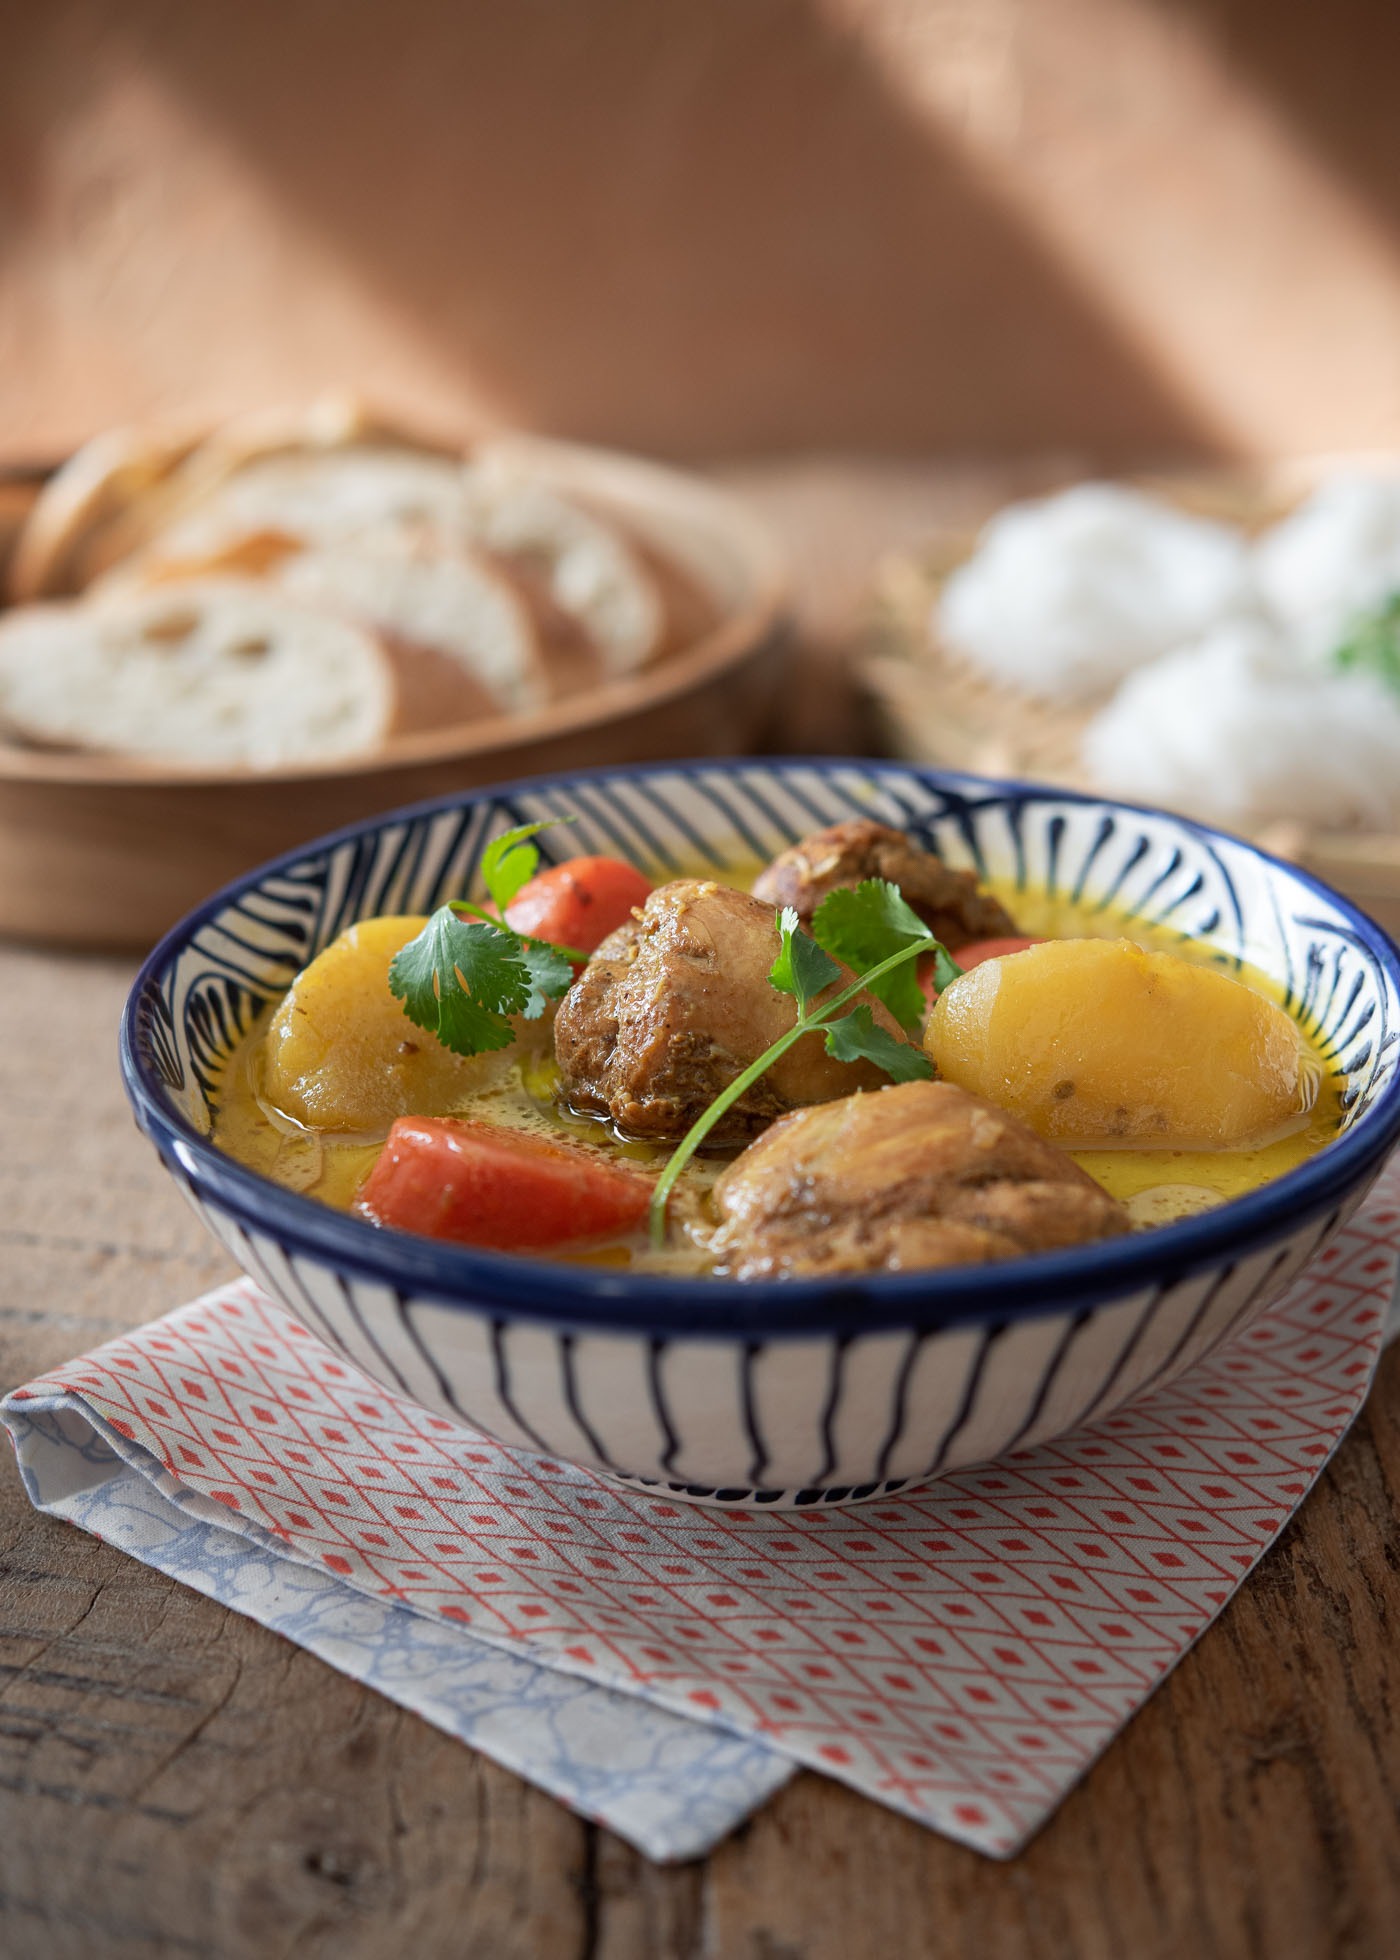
pixel 175 1779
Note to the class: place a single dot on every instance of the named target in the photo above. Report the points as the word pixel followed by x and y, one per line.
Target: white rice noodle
pixel 1066 595
pixel 1238 729
pixel 1335 557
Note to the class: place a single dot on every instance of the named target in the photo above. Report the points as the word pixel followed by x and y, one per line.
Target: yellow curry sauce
pixel 1155 1185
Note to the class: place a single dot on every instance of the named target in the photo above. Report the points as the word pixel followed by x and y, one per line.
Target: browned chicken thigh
pixel 916 1176
pixel 949 902
pixel 674 1005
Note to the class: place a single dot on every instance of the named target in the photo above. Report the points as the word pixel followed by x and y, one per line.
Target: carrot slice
pixel 578 903
pixel 506 1190
pixel 977 950
pixel 973 954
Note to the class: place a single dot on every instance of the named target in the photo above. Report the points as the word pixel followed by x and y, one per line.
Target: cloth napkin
pixel 962 1654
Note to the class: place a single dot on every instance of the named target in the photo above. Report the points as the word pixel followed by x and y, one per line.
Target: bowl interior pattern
pixel 799 1392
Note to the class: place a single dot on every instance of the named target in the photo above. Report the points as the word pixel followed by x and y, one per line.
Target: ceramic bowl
pixel 781 1393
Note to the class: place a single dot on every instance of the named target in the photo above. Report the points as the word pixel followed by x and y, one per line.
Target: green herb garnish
pixel 864 925
pixel 856 1038
pixel 872 931
pixel 1372 644
pixel 466 973
pixel 511 860
pixel 462 981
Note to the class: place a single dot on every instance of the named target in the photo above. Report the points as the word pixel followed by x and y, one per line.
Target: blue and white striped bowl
pixel 802 1392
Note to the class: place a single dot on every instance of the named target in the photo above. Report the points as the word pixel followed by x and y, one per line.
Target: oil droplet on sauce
pixel 1164 1204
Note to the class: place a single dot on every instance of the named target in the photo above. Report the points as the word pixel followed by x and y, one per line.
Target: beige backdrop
pixel 711 226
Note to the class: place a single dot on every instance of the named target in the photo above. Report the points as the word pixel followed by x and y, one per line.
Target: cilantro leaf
pixel 462 981
pixel 550 974
pixel 1372 644
pixel 801 969
pixel 855 1038
pixel 467 973
pixel 864 926
pixel 945 968
pixel 510 860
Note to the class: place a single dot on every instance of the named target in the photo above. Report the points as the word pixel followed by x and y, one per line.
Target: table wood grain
pixel 176 1780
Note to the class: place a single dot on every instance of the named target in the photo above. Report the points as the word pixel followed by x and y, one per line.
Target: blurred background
pixel 712 228
pixel 879 264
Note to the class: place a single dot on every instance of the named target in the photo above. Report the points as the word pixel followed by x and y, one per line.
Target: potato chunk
pixel 341 1054
pixel 1095 1042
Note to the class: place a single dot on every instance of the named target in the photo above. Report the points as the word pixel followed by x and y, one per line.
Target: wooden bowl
pixel 935 707
pixel 110 850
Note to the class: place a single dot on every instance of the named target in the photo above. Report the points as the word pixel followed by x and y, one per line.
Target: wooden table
pixel 176 1780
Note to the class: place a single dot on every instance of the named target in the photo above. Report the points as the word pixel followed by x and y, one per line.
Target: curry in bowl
pixel 856 1060
pixel 848 1295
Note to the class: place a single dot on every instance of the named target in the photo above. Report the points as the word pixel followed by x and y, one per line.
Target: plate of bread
pixel 219 644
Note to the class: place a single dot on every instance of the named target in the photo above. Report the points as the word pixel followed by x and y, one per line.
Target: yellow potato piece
pixel 1095 1042
pixel 341 1054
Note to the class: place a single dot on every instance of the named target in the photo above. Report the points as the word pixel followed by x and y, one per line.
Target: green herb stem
pixel 725 1100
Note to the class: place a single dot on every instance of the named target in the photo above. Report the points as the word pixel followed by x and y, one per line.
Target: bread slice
pixel 218 673
pixel 116 492
pixel 82 498
pixel 421 595
pixel 363 540
pixel 310 498
pixel 589 569
pixel 528 590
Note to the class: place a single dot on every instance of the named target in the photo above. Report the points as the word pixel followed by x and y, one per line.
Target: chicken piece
pixel 949 902
pixel 916 1176
pixel 675 1004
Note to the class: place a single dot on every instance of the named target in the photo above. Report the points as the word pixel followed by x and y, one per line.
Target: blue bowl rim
pixel 508 1286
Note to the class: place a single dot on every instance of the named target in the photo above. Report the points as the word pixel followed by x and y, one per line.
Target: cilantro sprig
pixel 871 930
pixel 510 861
pixel 466 973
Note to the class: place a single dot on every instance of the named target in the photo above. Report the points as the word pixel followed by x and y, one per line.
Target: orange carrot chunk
pixel 578 903
pixel 481 1184
pixel 977 950
pixel 973 954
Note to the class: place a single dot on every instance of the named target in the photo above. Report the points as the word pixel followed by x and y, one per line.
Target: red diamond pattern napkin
pixel 962 1654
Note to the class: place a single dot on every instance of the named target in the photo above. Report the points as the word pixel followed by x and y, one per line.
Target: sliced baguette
pixel 219 673
pixel 326 426
pixel 328 483
pixel 444 602
pixel 89 493
pixel 592 573
pixel 310 499
pixel 420 591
